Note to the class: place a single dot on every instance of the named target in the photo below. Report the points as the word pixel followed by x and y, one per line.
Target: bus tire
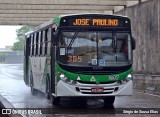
pixel 55 100
pixel 109 101
pixel 34 91
pixel 78 101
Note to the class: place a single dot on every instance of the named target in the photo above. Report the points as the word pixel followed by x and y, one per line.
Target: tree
pixel 19 45
pixel 2 56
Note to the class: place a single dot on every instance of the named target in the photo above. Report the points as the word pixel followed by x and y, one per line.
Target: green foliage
pixel 19 45
pixel 2 55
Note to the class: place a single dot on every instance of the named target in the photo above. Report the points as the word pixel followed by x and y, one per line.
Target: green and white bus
pixel 81 55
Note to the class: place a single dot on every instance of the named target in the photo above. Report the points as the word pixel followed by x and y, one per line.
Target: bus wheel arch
pixel 55 100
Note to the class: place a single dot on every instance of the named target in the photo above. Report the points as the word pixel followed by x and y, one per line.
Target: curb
pixel 5 104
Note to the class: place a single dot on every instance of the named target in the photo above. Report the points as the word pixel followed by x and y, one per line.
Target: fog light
pixel 116 89
pixel 77 89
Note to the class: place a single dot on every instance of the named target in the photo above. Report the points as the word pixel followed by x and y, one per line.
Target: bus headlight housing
pixel 67 80
pixel 127 79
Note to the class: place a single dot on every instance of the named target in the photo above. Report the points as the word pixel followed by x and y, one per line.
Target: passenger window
pixel 49 41
pixel 39 43
pixel 46 41
pixel 35 44
pixel 32 44
pixel 43 43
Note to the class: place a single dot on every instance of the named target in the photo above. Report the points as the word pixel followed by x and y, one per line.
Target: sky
pixel 8 35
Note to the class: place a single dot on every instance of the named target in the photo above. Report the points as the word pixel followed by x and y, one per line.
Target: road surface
pixel 18 94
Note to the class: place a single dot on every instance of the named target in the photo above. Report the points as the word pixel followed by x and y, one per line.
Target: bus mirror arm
pixel 133 41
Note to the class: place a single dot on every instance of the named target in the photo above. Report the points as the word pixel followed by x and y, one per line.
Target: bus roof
pixel 94 14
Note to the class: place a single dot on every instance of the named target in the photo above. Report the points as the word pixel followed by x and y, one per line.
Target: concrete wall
pixel 147 83
pixel 145 18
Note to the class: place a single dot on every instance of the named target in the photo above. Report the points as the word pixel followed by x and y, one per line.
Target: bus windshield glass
pixel 94 49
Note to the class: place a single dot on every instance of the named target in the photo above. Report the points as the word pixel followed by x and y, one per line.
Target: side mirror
pixel 133 42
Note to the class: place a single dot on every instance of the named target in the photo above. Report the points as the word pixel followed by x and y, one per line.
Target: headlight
pixel 128 78
pixel 67 80
pixel 62 76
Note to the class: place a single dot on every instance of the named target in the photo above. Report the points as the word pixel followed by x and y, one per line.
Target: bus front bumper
pixel 66 90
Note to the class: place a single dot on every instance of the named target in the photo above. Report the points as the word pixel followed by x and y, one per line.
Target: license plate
pixel 97 90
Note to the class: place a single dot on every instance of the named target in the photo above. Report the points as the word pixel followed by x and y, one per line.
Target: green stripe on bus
pixel 99 78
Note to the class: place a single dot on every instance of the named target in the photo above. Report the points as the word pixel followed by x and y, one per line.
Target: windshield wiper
pixel 72 40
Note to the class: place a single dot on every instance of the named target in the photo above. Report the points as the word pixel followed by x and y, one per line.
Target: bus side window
pixel 54 37
pixel 46 41
pixel 49 41
pixel 35 35
pixel 39 43
pixel 28 45
pixel 43 43
pixel 32 44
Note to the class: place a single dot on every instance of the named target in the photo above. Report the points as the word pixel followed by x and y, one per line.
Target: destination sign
pixel 95 22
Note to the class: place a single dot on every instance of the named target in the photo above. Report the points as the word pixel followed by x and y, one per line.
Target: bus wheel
pixel 78 101
pixel 34 91
pixel 109 101
pixel 55 100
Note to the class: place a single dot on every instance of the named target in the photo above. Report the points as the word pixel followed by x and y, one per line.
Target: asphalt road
pixel 18 94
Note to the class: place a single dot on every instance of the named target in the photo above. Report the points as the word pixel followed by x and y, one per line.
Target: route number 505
pixel 74 59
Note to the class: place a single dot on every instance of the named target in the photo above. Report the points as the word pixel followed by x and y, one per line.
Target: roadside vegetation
pixel 19 45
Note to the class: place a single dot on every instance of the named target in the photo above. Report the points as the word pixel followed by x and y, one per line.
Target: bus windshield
pixel 94 49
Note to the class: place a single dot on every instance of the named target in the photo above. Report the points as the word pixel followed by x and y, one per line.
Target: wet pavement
pixel 12 88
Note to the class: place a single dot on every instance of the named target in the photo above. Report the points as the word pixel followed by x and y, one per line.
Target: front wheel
pixel 78 101
pixel 34 91
pixel 109 101
pixel 55 100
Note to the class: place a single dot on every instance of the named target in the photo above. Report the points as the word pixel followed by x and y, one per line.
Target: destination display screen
pixel 95 21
